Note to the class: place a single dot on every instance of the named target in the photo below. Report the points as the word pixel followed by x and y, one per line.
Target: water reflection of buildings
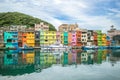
pixel 31 61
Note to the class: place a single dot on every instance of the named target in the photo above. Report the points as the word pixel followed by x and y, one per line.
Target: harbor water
pixel 74 64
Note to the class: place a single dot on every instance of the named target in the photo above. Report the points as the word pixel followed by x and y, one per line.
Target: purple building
pixel 73 38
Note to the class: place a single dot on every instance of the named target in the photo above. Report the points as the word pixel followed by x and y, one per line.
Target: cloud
pixel 92 14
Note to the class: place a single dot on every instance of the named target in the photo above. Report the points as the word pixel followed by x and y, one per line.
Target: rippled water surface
pixel 60 65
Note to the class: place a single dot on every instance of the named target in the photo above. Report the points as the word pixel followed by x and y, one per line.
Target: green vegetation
pixel 16 18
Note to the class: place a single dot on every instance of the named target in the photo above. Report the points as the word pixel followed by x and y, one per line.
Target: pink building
pixel 58 37
pixel 74 38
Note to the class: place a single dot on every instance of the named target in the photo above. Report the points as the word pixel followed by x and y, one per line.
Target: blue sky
pixel 90 14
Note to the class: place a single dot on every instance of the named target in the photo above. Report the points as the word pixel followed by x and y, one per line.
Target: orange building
pixel 95 38
pixel 78 38
pixel 24 38
pixel 69 38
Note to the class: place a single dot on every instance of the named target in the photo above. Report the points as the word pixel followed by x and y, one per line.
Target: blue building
pixel 11 39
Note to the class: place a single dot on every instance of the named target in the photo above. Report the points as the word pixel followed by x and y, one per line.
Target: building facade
pixel 78 38
pixel 42 26
pixel 58 37
pixel 67 27
pixel 11 39
pixel 37 38
pixel 99 37
pixel 73 38
pixel 1 38
pixel 84 37
pixel 90 37
pixel 65 38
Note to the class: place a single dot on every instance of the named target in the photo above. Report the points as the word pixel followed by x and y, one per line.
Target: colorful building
pixel 37 38
pixel 58 37
pixel 104 41
pixel 65 38
pixel 95 38
pixel 52 37
pixel 78 38
pixel 46 38
pixel 84 37
pixel 62 38
pixel 30 39
pixel 99 37
pixel 73 38
pixel 67 27
pixel 24 39
pixel 69 38
pixel 41 27
pixel 41 38
pixel 11 39
pixel 1 38
pixel 20 43
pixel 90 38
pixel 49 37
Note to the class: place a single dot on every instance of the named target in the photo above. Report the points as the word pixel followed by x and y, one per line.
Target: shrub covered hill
pixel 16 18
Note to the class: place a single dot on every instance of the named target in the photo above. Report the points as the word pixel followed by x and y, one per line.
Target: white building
pixel 42 26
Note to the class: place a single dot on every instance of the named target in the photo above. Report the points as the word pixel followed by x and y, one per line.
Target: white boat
pixel 55 47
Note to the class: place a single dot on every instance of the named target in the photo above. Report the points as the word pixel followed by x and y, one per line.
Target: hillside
pixel 16 18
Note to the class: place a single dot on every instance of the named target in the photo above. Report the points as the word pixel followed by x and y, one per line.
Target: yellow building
pixel 30 58
pixel 30 39
pixel 46 37
pixel 104 41
pixel 62 38
pixel 49 37
pixel 52 37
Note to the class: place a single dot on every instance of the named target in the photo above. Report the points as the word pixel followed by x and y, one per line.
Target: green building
pixel 65 38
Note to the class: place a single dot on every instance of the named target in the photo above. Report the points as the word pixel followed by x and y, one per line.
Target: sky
pixel 88 14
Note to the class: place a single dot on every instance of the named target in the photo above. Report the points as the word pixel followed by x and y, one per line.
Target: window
pixel 46 40
pixel 88 37
pixel 37 36
pixel 37 33
pixel 14 36
pixel 9 40
pixel 82 54
pixel 14 40
pixel 46 32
